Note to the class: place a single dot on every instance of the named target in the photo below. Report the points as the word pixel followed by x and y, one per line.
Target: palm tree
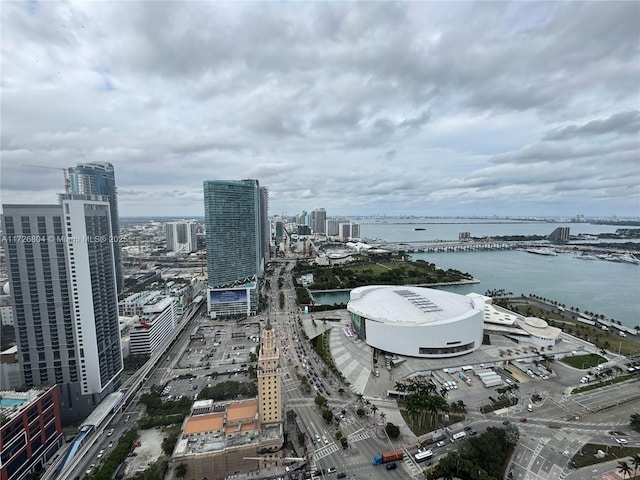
pixel 374 409
pixel 636 463
pixel 624 468
pixel 181 470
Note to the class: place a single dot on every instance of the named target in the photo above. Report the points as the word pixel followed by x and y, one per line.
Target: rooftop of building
pixel 207 422
pixel 242 410
pixel 13 403
pixel 206 432
pixel 410 305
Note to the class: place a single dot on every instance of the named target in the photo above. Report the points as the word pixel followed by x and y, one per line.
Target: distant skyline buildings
pixel 98 178
pixel 63 289
pixel 237 244
pixel 182 236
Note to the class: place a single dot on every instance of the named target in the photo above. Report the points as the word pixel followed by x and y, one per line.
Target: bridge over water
pixel 433 246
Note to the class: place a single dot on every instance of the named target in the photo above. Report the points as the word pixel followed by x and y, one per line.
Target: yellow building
pixel 269 379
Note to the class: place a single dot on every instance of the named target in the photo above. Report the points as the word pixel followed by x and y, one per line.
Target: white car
pixel 440 443
pixel 621 441
pixel 90 469
pixel 101 453
pixel 331 469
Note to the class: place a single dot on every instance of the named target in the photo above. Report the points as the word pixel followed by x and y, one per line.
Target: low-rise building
pixel 154 325
pixel 222 439
pixel 31 431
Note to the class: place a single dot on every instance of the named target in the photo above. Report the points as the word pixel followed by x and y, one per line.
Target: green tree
pixel 624 468
pixel 327 415
pixel 392 430
pixel 181 470
pixel 320 401
pixel 374 409
pixel 635 460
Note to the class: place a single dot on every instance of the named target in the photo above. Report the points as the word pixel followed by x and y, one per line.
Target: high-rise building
pixel 559 235
pixel 235 217
pixel 355 230
pixel 63 288
pixel 98 178
pixel 269 379
pixel 319 221
pixel 345 230
pixel 182 236
pixel 333 226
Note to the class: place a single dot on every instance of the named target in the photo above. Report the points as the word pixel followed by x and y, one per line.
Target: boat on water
pixel 586 257
pixel 619 258
pixel 543 251
pixel 417 229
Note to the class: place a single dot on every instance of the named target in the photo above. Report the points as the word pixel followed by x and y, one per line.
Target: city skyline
pixel 425 109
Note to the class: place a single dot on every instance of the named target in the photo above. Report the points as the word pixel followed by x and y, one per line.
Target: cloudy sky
pixel 445 108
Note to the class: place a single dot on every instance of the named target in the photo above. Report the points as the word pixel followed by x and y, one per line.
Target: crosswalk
pixel 358 436
pixel 325 451
pixel 412 466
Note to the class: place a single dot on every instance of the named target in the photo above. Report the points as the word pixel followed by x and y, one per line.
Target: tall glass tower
pixel 98 178
pixel 235 216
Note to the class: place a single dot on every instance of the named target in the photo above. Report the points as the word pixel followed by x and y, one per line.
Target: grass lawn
pixel 429 426
pixel 584 362
pixel 589 450
pixel 609 340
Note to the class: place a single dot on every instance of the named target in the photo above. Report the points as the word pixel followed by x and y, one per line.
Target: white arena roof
pixel 413 305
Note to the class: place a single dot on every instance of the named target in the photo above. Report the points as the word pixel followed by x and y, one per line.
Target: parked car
pixel 621 441
pixel 440 443
pixel 331 469
pixel 523 419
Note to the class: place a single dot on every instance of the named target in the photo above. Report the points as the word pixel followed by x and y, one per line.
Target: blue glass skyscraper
pixel 237 244
pixel 98 178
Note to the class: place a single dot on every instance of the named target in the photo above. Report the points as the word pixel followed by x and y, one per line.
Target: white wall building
pixel 415 321
pixel 153 326
pixel 182 236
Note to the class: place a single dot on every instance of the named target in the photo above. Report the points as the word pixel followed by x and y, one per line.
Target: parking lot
pixel 216 352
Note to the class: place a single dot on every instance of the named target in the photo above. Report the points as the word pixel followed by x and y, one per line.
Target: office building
pixel 98 178
pixel 269 379
pixel 182 236
pixel 319 221
pixel 31 432
pixel 236 228
pixel 63 289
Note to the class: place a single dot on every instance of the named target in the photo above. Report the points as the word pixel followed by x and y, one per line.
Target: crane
pixel 67 180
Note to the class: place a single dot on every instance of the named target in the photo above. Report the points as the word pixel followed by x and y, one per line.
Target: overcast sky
pixel 361 108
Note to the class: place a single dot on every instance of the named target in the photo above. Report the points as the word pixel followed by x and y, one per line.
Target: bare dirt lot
pixel 149 451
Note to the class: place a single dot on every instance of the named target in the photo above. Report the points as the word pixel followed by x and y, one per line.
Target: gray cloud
pixel 619 123
pixel 360 108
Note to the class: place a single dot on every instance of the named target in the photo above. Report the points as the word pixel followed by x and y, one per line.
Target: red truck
pixel 386 457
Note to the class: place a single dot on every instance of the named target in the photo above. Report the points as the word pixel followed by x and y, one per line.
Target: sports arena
pixel 416 321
